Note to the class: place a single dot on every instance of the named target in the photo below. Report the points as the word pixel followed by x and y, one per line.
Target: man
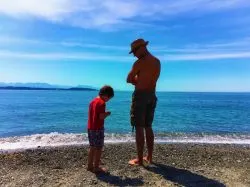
pixel 144 75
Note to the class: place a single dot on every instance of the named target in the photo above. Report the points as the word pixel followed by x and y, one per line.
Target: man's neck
pixel 144 55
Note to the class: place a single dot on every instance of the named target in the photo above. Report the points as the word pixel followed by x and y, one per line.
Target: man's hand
pixel 132 76
pixel 134 80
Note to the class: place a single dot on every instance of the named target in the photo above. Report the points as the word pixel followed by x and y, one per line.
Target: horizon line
pixel 124 90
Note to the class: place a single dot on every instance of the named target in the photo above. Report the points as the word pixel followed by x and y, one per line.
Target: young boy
pixel 96 116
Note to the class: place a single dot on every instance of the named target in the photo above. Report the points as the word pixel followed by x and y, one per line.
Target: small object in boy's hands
pixel 108 113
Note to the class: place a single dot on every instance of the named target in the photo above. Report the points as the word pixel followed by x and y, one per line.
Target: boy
pixel 96 117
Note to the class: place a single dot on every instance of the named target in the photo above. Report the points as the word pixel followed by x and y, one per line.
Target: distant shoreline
pixel 59 89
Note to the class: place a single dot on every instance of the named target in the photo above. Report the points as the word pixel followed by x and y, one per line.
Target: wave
pixel 58 139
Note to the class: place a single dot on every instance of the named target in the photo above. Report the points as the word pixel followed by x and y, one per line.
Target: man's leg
pixel 139 138
pixel 150 143
pixel 149 131
pixel 140 143
pixel 137 114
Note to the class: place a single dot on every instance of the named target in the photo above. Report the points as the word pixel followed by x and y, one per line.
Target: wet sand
pixel 174 165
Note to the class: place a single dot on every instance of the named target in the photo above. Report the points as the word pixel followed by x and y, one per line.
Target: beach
pixel 174 165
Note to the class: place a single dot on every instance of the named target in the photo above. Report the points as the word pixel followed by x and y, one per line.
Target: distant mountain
pixel 85 86
pixel 41 86
pixel 33 85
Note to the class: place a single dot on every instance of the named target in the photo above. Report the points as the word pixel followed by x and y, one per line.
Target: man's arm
pixel 134 80
pixel 132 76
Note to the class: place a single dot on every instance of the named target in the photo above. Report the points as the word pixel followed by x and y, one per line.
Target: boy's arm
pixel 104 115
pixel 101 111
pixel 132 76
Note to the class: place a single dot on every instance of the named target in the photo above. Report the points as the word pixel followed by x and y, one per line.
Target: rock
pixel 58 167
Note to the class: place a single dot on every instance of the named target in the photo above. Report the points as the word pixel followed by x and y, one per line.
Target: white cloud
pixel 207 56
pixel 4 54
pixel 219 46
pixel 200 6
pixel 245 42
pixel 11 55
pixel 7 40
pixel 242 45
pixel 104 14
pixel 52 9
pixel 237 49
pixel 97 46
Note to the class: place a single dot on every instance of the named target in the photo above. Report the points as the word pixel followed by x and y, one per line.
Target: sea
pixel 47 118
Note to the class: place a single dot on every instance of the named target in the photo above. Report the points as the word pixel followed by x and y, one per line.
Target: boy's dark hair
pixel 106 91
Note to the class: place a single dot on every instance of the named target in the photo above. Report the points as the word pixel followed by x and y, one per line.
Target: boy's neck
pixel 100 98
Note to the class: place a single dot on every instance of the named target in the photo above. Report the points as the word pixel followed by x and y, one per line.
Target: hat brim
pixel 145 44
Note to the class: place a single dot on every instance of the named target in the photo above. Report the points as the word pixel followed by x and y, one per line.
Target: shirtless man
pixel 144 75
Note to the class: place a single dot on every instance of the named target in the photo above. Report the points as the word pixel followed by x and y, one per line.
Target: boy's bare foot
pixel 135 162
pixel 148 160
pixel 100 170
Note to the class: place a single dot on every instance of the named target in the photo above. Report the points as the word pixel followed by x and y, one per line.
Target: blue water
pixel 25 113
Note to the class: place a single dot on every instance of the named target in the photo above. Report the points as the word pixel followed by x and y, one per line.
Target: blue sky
pixel 203 45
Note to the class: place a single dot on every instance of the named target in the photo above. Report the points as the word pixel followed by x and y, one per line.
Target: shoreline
pixel 175 165
pixel 20 150
pixel 55 139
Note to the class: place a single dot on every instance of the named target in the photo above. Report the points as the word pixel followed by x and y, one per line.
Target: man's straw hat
pixel 137 43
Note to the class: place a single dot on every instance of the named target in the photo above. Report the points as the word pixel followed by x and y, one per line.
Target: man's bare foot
pixel 148 160
pixel 135 162
pixel 100 170
pixel 91 169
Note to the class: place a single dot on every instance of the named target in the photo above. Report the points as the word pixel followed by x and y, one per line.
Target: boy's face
pixel 106 98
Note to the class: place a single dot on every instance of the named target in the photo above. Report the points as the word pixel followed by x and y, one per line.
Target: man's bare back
pixel 145 73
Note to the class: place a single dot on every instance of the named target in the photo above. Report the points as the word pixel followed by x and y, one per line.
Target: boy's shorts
pixel 96 138
pixel 143 108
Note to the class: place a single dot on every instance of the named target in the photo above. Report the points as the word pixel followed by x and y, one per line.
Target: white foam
pixel 208 139
pixel 53 140
pixel 56 139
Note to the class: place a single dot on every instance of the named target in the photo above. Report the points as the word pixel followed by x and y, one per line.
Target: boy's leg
pixel 99 143
pixel 98 154
pixel 92 150
pixel 101 162
pixel 91 156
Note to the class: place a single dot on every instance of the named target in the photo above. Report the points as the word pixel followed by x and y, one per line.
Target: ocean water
pixel 51 118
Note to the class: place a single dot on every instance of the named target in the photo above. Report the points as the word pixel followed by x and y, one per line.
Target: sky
pixel 203 45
